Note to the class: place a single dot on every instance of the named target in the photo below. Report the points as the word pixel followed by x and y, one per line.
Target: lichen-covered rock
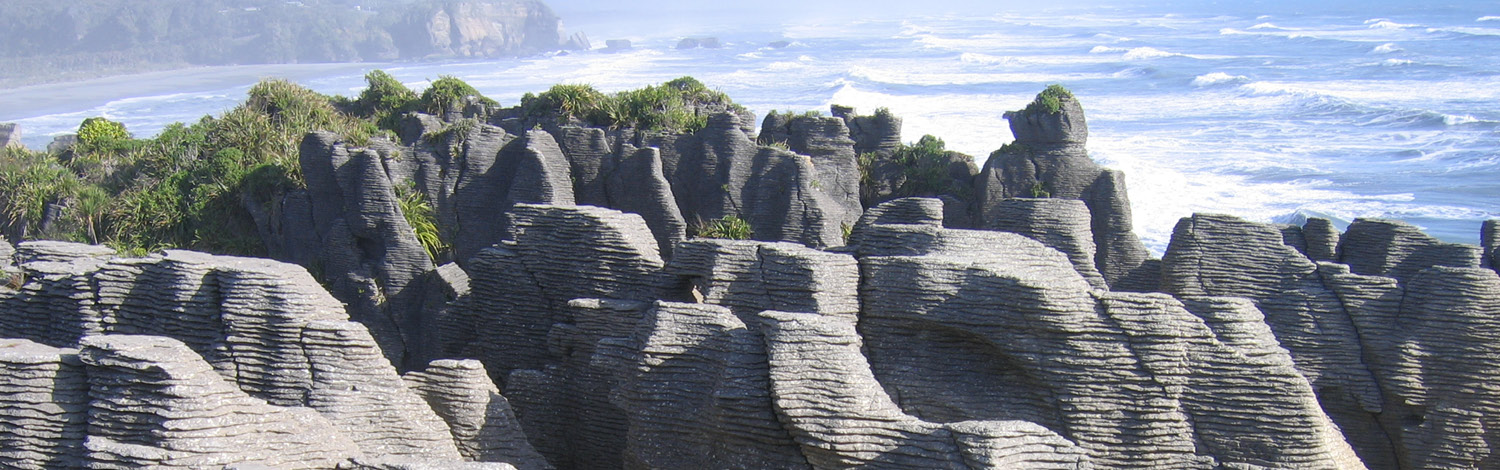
pixel 154 403
pixel 1390 248
pixel 43 406
pixel 483 425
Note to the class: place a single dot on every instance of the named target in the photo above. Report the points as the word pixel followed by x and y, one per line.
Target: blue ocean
pixel 1371 110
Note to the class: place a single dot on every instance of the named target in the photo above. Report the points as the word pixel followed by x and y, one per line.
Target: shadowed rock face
pixel 1049 155
pixel 1489 239
pixel 241 351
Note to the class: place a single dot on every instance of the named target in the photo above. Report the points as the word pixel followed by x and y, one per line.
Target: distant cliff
pixel 44 41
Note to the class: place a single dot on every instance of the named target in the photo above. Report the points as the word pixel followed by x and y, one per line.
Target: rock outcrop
pixel 1489 239
pixel 1049 159
pixel 10 135
pixel 239 350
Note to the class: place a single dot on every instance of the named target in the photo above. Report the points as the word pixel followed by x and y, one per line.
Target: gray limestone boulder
pixel 876 133
pixel 1213 255
pixel 1008 330
pixel 371 255
pixel 837 413
pixel 59 251
pixel 706 355
pixel 530 169
pixel 1322 239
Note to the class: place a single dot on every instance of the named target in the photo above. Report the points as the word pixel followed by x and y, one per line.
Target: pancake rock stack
pixel 186 360
pixel 574 324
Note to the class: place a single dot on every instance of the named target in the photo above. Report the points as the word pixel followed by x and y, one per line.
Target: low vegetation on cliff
pixel 680 105
pixel 203 185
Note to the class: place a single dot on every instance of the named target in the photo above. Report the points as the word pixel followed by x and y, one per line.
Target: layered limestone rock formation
pixel 186 360
pixel 1049 159
pixel 573 323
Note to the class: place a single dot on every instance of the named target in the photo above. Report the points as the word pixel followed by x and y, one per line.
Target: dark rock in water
pixel 1489 239
pixel 1376 247
pixel 704 42
pixel 10 135
pixel 617 45
pixel 1049 159
pixel 779 44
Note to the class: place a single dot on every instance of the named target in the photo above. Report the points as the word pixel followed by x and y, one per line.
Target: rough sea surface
pixel 1365 111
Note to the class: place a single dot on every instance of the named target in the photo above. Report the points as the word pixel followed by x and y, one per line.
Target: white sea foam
pixel 1218 78
pixel 1264 26
pixel 1466 30
pixel 1488 18
pixel 1459 120
pixel 1143 53
pixel 1395 62
pixel 1386 48
pixel 1382 23
pixel 1107 49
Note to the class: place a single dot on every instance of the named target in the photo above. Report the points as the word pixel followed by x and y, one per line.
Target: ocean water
pixel 1274 115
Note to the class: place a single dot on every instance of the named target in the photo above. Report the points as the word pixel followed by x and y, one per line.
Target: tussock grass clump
pixel 728 227
pixel 448 93
pixel 420 215
pixel 679 105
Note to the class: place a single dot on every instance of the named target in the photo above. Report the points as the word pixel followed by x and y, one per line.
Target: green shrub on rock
pixel 1049 100
pixel 448 93
pixel 729 227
